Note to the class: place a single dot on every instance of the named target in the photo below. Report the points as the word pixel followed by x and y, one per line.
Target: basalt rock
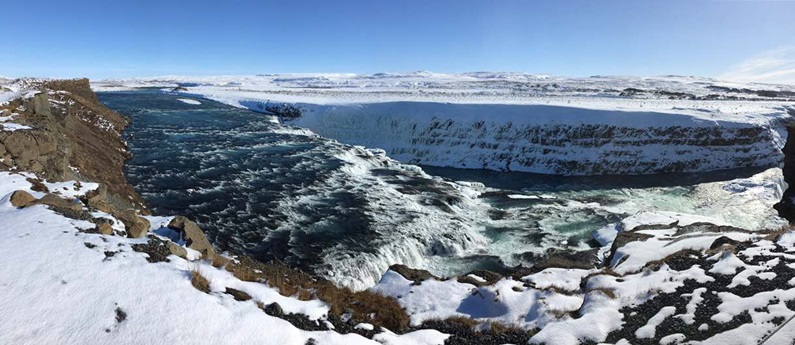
pixel 415 275
pixel 786 207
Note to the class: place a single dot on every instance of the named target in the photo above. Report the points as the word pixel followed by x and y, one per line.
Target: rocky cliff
pixel 71 136
pixel 786 207
pixel 553 139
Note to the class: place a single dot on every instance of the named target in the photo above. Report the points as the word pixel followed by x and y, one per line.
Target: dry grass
pixel 456 320
pixel 611 293
pixel 363 306
pixel 38 185
pixel 773 234
pixel 505 329
pixel 199 281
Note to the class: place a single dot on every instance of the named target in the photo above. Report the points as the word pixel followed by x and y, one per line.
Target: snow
pixel 634 255
pixel 482 120
pixel 727 264
pixel 63 292
pixel 421 337
pixel 559 278
pixel 189 101
pixel 10 127
pixel 648 330
pixel 550 299
pixel 476 278
pixel 695 299
pixel 787 239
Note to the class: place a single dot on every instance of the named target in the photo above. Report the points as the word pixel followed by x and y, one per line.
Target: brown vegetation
pixel 199 281
pixel 363 306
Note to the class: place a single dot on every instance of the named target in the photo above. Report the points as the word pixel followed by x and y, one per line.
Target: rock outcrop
pixel 193 236
pixel 73 137
pixel 786 207
pixel 21 198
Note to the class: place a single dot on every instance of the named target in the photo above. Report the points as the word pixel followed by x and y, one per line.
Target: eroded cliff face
pixel 551 140
pixel 786 207
pixel 72 136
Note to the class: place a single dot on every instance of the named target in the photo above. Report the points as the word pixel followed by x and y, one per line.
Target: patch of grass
pixel 611 293
pixel 363 306
pixel 773 234
pixel 199 281
pixel 38 185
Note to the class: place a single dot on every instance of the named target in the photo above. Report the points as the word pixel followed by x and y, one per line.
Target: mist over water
pixel 347 213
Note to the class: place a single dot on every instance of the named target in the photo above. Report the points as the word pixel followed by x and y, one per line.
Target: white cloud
pixel 775 66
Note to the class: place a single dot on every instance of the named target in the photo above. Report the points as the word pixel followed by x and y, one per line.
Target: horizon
pixel 736 41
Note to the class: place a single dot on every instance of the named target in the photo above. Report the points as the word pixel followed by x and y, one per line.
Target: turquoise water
pixel 278 192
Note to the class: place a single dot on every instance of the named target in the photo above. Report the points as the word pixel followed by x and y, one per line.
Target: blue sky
pixel 100 39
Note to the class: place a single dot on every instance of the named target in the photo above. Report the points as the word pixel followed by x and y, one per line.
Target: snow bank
pixel 65 286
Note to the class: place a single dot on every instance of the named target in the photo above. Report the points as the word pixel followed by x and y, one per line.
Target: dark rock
pixel 274 309
pixel 415 275
pixel 40 104
pixel 786 207
pixel 622 239
pixel 720 241
pixel 155 248
pixel 586 259
pixel 238 295
pixel 489 277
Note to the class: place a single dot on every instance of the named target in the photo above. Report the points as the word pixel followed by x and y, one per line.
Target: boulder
pixel 721 241
pixel 413 274
pixel 136 226
pixel 56 201
pixel 105 228
pixel 40 104
pixel 98 199
pixel 177 250
pixel 786 207
pixel 22 198
pixel 193 236
pixel 28 146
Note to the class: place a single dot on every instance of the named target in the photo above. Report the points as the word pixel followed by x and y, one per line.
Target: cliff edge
pixel 68 135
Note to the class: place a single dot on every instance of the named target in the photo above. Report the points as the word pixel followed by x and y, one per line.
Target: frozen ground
pixel 673 278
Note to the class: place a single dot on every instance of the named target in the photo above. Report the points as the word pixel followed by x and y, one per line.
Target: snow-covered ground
pixel 62 285
pixel 642 292
pixel 522 122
